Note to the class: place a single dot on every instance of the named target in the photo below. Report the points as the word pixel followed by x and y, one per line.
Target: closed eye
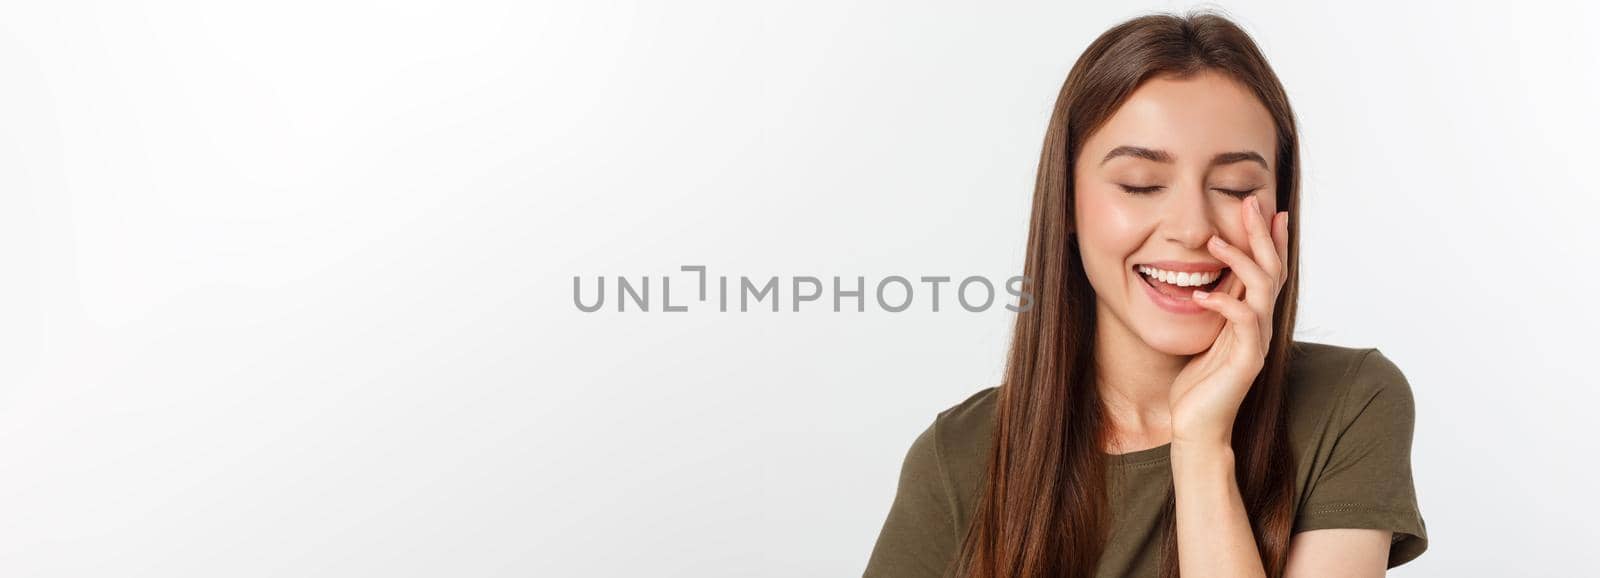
pixel 1151 189
pixel 1243 193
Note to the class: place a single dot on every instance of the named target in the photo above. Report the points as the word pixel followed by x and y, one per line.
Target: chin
pixel 1180 340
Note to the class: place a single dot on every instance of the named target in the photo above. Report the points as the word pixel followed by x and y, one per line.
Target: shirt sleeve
pixel 1366 482
pixel 919 538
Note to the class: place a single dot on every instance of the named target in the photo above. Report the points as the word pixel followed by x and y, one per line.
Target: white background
pixel 288 286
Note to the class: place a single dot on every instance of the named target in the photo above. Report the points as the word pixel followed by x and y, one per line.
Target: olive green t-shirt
pixel 1350 420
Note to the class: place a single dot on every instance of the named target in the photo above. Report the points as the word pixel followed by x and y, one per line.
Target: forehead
pixel 1192 118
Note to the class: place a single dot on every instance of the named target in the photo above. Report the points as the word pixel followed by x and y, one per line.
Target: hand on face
pixel 1206 395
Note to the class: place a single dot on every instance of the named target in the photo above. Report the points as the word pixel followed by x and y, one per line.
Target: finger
pixel 1241 317
pixel 1257 286
pixel 1231 286
pixel 1260 236
pixel 1280 236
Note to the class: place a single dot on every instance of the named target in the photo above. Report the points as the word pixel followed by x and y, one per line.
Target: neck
pixel 1134 382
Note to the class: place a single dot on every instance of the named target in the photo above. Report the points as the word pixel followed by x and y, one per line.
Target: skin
pixel 1180 378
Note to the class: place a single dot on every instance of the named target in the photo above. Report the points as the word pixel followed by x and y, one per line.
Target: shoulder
pixel 1329 385
pixel 1309 358
pixel 1352 417
pixel 973 413
pixel 954 434
pixel 1335 369
pixel 960 437
pixel 966 426
pixel 923 529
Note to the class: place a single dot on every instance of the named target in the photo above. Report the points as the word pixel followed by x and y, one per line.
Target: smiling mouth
pixel 1181 292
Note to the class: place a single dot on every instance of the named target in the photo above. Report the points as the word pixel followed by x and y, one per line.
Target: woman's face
pixel 1168 170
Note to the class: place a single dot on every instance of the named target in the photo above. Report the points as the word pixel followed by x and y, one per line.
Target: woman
pixel 1156 415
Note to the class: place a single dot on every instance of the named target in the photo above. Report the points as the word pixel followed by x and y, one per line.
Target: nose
pixel 1188 220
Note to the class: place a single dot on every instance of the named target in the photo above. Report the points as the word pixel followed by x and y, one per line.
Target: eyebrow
pixel 1162 156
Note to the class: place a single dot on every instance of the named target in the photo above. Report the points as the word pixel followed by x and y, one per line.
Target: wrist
pixel 1207 445
pixel 1203 437
pixel 1191 458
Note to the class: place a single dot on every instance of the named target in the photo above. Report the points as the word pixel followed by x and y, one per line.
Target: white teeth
pixel 1179 278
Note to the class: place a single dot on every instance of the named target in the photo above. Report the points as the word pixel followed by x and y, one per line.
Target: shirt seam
pixel 1144 464
pixel 1341 507
pixel 1351 507
pixel 944 478
pixel 1346 417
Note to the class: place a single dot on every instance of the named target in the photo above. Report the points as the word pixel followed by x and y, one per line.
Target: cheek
pixel 1110 229
pixel 1233 228
pixel 1269 204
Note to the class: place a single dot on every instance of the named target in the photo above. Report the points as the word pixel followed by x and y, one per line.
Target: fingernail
pixel 1198 294
pixel 1218 242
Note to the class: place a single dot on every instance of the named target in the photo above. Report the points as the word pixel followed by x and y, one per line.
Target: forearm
pixel 1214 537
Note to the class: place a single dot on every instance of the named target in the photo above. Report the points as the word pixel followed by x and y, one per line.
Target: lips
pixel 1178 293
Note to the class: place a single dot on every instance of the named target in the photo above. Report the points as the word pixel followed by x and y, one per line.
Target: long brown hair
pixel 1042 510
